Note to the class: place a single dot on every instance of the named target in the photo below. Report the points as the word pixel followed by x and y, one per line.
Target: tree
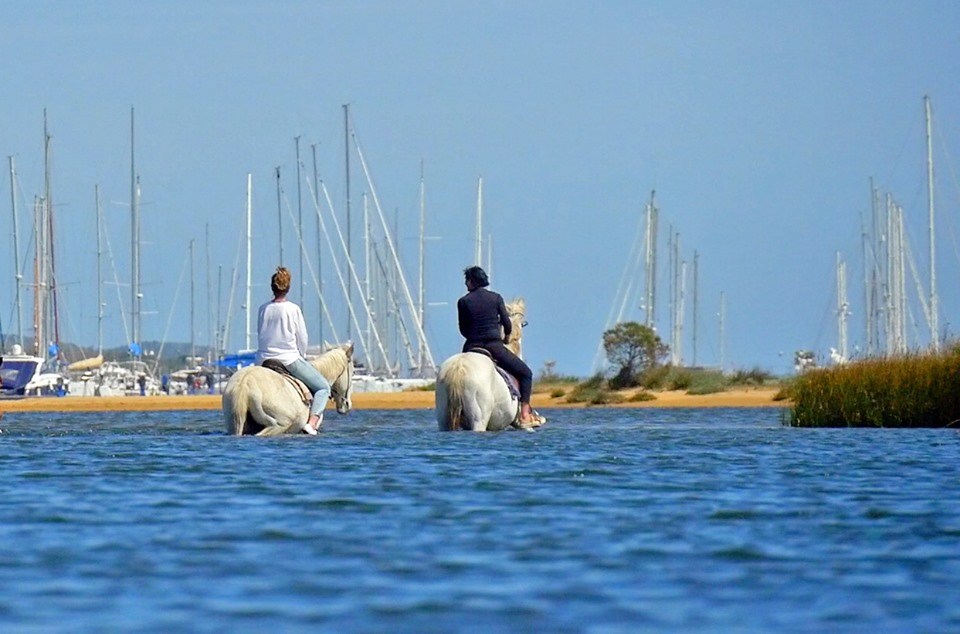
pixel 632 348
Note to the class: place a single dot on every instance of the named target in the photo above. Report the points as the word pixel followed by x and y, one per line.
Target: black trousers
pixel 509 362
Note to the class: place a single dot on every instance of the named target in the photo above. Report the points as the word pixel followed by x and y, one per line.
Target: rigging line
pixel 116 283
pixel 336 265
pixel 343 245
pixel 395 301
pixel 173 305
pixel 314 275
pixel 234 278
pixel 411 306
pixel 908 134
pixel 828 312
pixel 956 183
pixel 621 291
pixel 916 281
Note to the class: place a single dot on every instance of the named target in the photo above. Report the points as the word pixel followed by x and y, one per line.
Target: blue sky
pixel 759 124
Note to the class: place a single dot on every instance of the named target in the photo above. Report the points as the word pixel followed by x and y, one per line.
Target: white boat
pixel 26 375
pixel 116 378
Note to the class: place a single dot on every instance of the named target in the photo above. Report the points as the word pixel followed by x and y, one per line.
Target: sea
pixel 603 520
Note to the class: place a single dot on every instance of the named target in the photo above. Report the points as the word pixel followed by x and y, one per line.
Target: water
pixel 602 521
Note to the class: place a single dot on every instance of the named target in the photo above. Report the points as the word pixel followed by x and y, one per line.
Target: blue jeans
pixel 314 381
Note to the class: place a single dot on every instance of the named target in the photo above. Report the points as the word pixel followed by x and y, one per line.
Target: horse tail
pixel 234 409
pixel 455 409
pixel 451 388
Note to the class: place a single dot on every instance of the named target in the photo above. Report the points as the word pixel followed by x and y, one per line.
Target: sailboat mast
pixel 50 315
pixel 650 262
pixel 316 205
pixel 247 334
pixel 96 194
pixel 368 296
pixel 38 282
pixel 723 318
pixel 193 343
pixel 842 308
pixel 279 216
pixel 696 292
pixel 296 141
pixel 211 344
pixel 478 257
pixel 421 293
pixel 135 295
pixel 16 250
pixel 346 158
pixel 934 326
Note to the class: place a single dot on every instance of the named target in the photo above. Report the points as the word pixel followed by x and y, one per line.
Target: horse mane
pixel 517 310
pixel 331 362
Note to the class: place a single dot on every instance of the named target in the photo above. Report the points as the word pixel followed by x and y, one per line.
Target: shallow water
pixel 603 520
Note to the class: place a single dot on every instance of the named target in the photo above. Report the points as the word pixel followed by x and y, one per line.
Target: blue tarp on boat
pixel 237 360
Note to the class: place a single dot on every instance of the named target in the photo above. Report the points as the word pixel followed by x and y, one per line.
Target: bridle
pixel 335 394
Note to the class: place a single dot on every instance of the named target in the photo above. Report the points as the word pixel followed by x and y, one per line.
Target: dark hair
pixel 476 275
pixel 280 281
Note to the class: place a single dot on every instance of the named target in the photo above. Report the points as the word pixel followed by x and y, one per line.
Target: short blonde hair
pixel 280 282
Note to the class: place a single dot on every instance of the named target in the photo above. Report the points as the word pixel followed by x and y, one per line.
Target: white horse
pixel 472 395
pixel 262 402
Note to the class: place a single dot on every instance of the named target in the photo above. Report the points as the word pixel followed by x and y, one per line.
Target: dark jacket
pixel 481 314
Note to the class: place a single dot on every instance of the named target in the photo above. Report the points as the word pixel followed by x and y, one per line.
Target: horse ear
pixel 326 346
pixel 348 348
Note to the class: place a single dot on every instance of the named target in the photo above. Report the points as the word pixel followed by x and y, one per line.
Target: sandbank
pixel 760 397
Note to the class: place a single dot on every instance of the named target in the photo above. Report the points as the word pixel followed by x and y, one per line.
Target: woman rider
pixel 282 335
pixel 481 314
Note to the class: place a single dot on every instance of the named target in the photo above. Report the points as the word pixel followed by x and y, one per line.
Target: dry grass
pixel 911 391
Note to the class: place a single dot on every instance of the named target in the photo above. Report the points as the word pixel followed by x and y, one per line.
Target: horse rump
pixel 243 405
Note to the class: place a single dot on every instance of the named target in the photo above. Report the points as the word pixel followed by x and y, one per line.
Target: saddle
pixel 512 384
pixel 300 386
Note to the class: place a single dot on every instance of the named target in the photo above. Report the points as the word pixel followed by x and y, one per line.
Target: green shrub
pixel 557 392
pixel 641 396
pixel 594 391
pixel 605 397
pixel 754 376
pixel 654 378
pixel 708 382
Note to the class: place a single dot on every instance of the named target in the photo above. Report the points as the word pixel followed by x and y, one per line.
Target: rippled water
pixel 604 520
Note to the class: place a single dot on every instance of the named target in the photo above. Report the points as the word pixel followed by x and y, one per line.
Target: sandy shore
pixel 394 400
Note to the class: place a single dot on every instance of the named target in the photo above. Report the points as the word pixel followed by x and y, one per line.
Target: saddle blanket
pixel 300 386
pixel 512 384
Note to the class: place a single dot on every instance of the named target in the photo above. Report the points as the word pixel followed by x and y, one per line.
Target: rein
pixel 346 366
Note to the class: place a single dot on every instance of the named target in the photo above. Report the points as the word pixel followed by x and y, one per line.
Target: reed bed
pixel 910 391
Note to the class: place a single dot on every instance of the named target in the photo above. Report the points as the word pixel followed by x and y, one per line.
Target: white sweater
pixel 282 333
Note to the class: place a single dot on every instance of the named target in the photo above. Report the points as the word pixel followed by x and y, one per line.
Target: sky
pixel 759 125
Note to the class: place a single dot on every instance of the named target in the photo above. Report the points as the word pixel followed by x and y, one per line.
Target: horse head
pixel 341 388
pixel 517 311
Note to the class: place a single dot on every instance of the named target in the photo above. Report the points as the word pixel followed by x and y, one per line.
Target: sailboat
pixel 24 374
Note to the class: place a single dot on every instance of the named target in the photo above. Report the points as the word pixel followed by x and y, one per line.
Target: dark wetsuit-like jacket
pixel 481 314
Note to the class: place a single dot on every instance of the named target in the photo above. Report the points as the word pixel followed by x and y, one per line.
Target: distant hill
pixel 173 356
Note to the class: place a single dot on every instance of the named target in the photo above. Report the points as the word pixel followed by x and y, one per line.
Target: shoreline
pixel 760 397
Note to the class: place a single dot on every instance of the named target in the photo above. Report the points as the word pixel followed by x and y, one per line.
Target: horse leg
pixel 259 421
pixel 474 418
